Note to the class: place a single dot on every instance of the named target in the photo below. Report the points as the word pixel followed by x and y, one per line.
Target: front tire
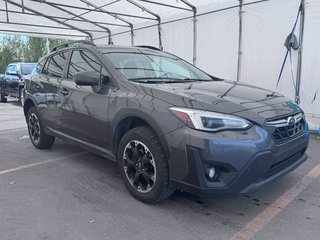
pixel 143 165
pixel 36 131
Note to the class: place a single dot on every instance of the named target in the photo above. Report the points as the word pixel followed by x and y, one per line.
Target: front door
pixel 85 108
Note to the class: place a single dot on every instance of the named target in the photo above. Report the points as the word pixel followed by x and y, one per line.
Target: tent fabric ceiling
pixel 77 19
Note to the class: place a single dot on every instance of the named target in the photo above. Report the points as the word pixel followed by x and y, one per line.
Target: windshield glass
pixel 149 67
pixel 27 68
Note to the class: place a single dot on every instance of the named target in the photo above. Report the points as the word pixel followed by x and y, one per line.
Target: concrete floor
pixel 68 193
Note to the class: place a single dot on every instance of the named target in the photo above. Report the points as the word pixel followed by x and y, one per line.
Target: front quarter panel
pixel 151 110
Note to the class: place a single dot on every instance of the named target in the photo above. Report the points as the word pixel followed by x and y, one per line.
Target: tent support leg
pixel 194 19
pixel 194 59
pixel 299 65
pixel 240 41
pixel 132 35
pixel 7 13
pixel 159 34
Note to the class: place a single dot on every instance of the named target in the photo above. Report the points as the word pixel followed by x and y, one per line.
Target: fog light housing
pixel 211 173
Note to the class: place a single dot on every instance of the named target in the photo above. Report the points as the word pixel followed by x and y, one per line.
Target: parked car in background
pixel 168 124
pixel 12 82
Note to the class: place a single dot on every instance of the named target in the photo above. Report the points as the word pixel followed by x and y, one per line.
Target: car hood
pixel 239 99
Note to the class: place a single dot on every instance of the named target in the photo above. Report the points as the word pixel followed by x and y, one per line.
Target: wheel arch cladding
pixel 27 105
pixel 132 120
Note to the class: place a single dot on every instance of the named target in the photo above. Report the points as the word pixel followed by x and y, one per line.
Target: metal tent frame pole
pixel 7 13
pixel 86 12
pixel 93 10
pixel 113 15
pixel 153 14
pixel 63 18
pixel 299 64
pixel 46 26
pixel 240 53
pixel 52 19
pixel 40 33
pixel 166 5
pixel 194 19
pixel 192 9
pixel 83 18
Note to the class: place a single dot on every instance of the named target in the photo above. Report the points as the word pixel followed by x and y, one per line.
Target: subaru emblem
pixel 291 121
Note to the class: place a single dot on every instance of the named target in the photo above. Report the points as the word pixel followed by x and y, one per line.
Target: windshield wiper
pixel 156 80
pixel 197 79
pixel 165 80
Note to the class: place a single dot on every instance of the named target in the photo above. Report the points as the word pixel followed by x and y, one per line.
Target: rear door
pixel 48 88
pixel 85 108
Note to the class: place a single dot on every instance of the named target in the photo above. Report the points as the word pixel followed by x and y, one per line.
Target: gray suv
pixel 168 124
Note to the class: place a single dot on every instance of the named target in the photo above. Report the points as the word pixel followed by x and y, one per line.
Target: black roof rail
pixel 73 43
pixel 149 47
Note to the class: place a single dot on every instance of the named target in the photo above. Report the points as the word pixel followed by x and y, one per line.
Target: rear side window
pixel 55 65
pixel 39 66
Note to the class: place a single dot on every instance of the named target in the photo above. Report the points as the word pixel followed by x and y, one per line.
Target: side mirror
pixel 87 78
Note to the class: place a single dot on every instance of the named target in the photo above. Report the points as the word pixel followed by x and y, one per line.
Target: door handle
pixel 64 91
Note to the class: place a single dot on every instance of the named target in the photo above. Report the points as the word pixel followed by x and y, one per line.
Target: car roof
pixel 132 49
pixel 104 48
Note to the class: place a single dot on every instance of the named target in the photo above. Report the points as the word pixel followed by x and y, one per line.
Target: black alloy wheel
pixel 139 166
pixel 143 165
pixel 36 131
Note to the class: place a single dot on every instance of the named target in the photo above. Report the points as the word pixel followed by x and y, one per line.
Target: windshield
pixel 149 67
pixel 27 68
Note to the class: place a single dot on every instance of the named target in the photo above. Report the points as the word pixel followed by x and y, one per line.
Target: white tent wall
pixel 148 36
pixel 217 43
pixel 265 28
pixel 122 39
pixel 177 38
pixel 310 78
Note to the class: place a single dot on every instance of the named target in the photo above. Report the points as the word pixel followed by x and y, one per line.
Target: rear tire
pixel 36 131
pixel 21 96
pixel 2 97
pixel 143 165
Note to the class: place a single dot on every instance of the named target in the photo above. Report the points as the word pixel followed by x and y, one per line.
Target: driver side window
pixel 84 61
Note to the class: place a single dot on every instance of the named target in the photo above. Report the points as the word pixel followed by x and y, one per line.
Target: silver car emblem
pixel 291 121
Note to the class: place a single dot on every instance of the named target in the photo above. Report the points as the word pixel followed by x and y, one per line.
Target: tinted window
pixel 83 61
pixel 55 65
pixel 144 65
pixel 39 67
pixel 27 68
pixel 12 68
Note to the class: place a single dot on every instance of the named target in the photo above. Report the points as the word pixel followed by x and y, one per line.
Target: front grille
pixel 284 129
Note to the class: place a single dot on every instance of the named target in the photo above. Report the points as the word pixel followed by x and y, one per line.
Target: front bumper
pixel 246 160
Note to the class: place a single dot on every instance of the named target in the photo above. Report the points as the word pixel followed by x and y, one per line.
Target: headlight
pixel 209 121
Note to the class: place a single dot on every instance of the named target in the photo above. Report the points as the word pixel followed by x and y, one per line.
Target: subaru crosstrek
pixel 168 124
